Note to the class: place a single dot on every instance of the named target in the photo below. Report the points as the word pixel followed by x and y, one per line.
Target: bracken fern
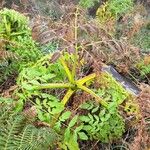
pixel 18 132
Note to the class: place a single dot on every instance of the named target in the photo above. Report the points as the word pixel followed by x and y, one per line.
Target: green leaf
pixel 57 110
pixel 84 118
pixel 102 113
pixel 78 128
pixel 91 106
pixel 87 127
pixel 91 118
pixel 82 136
pixel 44 95
pixel 38 102
pixel 40 116
pixel 107 117
pixel 65 116
pixel 57 126
pixel 27 86
pixel 73 121
pixel 95 109
pixel 72 145
pixel 34 82
pixel 97 120
pixel 48 76
pixel 67 134
pixel 85 105
pixel 45 103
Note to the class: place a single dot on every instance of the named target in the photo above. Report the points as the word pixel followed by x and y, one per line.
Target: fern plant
pixel 13 24
pixel 18 133
pixel 14 30
pixel 4 54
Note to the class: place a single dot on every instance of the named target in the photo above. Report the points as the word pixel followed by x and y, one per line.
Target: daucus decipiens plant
pixel 73 84
pixel 54 77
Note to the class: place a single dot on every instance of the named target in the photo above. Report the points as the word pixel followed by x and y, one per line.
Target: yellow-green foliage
pixel 17 37
pixel 103 14
pixel 113 9
pixel 111 87
pixel 100 123
pixel 144 68
pixel 112 90
pixel 13 24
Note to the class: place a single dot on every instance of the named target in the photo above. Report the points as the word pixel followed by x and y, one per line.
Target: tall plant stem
pixel 76 44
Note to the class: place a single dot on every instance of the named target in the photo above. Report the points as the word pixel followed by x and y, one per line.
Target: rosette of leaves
pixel 34 86
pixel 50 85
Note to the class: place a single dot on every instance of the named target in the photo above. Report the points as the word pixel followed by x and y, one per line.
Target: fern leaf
pixel 18 134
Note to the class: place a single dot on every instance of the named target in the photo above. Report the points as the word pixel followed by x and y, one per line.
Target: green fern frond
pixel 18 134
pixel 34 139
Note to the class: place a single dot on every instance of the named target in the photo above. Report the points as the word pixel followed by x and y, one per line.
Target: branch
pixel 53 85
pixel 98 99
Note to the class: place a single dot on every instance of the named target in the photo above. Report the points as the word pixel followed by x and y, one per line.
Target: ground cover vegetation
pixel 59 68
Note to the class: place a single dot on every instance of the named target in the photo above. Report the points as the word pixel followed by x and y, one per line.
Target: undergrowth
pixel 142 39
pixel 102 122
pixel 19 132
pixel 63 96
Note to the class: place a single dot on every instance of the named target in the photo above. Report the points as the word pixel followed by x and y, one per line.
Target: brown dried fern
pixel 142 139
pixel 95 43
pixel 4 55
